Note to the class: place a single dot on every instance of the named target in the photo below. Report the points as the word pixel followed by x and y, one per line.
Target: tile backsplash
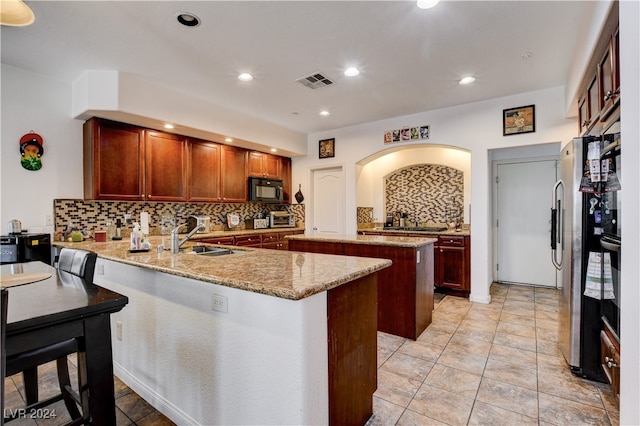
pixel 427 192
pixel 94 215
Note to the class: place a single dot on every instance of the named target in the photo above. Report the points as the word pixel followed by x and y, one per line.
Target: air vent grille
pixel 315 81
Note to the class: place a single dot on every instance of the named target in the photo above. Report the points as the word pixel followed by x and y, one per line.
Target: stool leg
pixel 65 386
pixel 30 379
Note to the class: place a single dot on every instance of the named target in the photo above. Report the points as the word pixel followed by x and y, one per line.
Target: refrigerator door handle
pixel 557 228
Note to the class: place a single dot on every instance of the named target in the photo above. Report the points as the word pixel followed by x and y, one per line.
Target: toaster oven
pixel 282 219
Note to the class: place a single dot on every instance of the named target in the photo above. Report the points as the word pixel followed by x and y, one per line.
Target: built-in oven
pixel 610 240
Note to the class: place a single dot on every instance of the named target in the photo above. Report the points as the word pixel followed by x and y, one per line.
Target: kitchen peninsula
pixel 405 290
pixel 253 337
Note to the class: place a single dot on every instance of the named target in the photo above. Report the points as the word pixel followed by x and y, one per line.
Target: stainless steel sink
pixel 213 251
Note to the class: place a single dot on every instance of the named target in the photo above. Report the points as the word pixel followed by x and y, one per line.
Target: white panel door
pixel 524 222
pixel 328 201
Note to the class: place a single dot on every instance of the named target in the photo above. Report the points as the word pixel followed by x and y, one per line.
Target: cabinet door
pixel 233 177
pixel 593 106
pixel 204 171
pixel 605 78
pixel 263 165
pixel 113 161
pixel 166 167
pixel 285 173
pixel 451 267
pixel 254 164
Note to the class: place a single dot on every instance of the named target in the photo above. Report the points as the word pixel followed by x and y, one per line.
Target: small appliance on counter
pixel 24 247
pixel 389 222
pixel 193 221
pixel 282 219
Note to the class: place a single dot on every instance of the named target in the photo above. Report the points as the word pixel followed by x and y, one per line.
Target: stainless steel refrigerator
pixel 577 224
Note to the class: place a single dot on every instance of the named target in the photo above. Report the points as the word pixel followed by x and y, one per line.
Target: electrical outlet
pixel 119 330
pixel 219 303
pixel 127 218
pixel 48 220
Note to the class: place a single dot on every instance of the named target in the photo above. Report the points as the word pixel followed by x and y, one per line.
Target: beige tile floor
pixel 476 364
pixel 479 364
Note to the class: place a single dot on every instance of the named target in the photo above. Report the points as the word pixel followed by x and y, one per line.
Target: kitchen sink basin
pixel 417 228
pixel 213 251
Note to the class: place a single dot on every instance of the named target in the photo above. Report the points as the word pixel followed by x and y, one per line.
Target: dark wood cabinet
pixel 452 263
pixel 233 175
pixel 165 167
pixel 227 241
pixel 405 289
pixel 113 161
pixel 285 169
pixel 264 165
pixel 352 346
pixel 610 358
pixel 204 171
pixel 609 77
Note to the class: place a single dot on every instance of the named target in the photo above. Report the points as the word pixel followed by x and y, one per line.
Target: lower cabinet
pixel 610 359
pixel 452 260
pixel 268 240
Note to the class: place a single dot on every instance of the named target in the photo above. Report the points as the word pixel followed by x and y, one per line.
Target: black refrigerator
pixel 582 214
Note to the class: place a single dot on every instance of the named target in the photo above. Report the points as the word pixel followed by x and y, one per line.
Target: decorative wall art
pixel 31 150
pixel 519 120
pixel 406 134
pixel 327 148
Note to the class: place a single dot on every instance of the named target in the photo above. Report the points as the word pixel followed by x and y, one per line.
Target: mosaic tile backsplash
pixel 92 215
pixel 365 214
pixel 427 192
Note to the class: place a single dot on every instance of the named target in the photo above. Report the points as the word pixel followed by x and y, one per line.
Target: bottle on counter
pixel 136 237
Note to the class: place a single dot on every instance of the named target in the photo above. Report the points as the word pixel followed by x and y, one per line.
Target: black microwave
pixel 265 190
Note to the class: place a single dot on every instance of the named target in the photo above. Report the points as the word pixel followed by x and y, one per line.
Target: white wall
pixel 475 127
pixel 36 102
pixel 630 178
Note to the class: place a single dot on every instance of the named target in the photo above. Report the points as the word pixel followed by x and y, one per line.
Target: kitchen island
pixel 255 337
pixel 405 290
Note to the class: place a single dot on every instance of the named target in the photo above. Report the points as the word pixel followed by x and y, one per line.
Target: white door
pixel 524 222
pixel 328 201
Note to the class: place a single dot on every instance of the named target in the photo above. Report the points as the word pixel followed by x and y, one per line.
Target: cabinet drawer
pixel 610 360
pixel 220 240
pixel 452 241
pixel 248 240
pixel 269 238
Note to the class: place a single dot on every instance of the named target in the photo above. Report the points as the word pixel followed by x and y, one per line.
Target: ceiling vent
pixel 315 81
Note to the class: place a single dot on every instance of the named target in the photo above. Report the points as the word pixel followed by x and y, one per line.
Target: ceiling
pixel 410 59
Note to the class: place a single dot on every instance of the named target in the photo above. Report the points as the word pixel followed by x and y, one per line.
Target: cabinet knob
pixel 609 95
pixel 585 123
pixel 610 362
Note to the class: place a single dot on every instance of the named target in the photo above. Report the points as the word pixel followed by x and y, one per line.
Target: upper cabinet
pixel 166 167
pixel 264 165
pixel 113 161
pixel 233 174
pixel 125 162
pixel 600 95
pixel 204 171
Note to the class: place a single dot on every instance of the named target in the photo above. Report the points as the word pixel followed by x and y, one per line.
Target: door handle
pixel 557 227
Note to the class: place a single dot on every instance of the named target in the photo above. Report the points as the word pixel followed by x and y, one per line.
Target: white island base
pixel 262 362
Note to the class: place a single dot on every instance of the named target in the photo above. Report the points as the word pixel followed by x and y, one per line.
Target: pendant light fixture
pixel 15 13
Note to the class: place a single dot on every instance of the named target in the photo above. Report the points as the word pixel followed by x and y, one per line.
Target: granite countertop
pixel 380 240
pixel 284 274
pixel 465 231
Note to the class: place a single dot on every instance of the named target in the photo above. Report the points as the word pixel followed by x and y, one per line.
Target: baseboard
pixel 154 399
pixel 480 299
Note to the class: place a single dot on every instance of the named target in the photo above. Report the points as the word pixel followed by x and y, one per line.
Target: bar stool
pixel 80 263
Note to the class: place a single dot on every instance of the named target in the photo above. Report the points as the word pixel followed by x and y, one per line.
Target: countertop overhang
pixel 279 273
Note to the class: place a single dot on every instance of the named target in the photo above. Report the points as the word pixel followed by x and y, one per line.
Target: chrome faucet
pixel 176 242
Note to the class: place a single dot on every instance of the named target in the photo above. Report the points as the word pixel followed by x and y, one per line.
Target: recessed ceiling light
pixel 228 140
pixel 245 76
pixel 467 80
pixel 427 4
pixel 169 126
pixel 324 113
pixel 188 19
pixel 274 150
pixel 526 55
pixel 352 72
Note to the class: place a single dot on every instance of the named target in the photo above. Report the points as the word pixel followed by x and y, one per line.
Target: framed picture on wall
pixel 327 148
pixel 519 120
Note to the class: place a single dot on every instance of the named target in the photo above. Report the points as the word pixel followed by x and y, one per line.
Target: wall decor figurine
pixel 31 151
